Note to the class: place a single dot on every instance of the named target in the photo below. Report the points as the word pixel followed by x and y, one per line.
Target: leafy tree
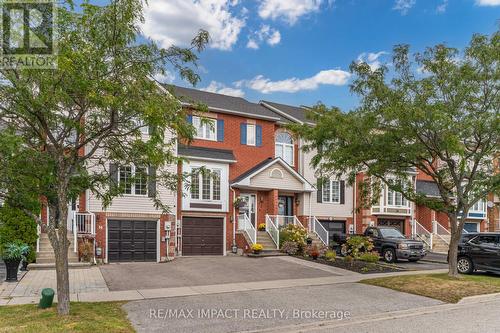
pixel 443 122
pixel 61 128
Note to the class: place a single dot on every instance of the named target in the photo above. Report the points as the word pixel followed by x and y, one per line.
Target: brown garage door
pixel 397 224
pixel 202 236
pixel 131 240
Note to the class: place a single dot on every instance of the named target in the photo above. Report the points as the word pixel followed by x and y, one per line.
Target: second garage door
pixel 202 236
pixel 132 240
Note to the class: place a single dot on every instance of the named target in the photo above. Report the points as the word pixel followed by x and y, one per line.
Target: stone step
pixel 71 255
pixel 52 260
pixel 71 265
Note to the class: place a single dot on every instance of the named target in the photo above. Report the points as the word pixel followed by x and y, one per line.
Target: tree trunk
pixel 456 233
pixel 62 274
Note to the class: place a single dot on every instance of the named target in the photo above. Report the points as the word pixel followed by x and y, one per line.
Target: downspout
pixel 233 246
pixel 354 222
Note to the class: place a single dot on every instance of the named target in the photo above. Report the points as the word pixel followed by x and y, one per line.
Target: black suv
pixel 479 252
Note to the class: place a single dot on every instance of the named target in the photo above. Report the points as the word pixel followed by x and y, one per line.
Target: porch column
pixel 273 206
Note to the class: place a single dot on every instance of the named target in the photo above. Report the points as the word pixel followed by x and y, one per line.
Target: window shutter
pixel 243 133
pixel 319 193
pixel 220 130
pixel 113 172
pixel 151 182
pixel 189 118
pixel 342 192
pixel 258 135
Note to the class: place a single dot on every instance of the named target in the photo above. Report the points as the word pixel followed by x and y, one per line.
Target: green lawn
pixel 440 286
pixel 84 317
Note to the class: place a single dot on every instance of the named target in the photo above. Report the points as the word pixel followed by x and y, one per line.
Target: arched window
pixel 284 147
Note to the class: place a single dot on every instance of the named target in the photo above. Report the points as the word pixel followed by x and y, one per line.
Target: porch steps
pixel 439 245
pixel 266 241
pixel 315 240
pixel 45 258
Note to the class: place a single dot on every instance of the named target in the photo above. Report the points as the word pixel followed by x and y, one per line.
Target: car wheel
pixel 389 255
pixel 465 265
pixel 413 260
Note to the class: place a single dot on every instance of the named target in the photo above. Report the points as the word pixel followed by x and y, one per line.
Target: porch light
pixel 297 201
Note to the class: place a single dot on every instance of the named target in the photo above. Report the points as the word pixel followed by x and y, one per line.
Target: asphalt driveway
pixel 196 271
pixel 264 309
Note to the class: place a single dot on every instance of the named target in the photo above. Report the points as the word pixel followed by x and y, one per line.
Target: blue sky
pixel 298 51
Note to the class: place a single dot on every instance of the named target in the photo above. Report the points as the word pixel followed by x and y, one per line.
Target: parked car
pixel 480 252
pixel 393 245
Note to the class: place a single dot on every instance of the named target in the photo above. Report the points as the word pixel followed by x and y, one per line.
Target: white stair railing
pixel 75 236
pixel 85 223
pixel 38 232
pixel 319 230
pixel 440 231
pixel 246 225
pixel 420 232
pixel 273 230
pixel 297 222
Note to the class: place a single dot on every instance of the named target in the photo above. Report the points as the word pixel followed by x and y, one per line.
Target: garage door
pixel 336 230
pixel 397 224
pixel 202 236
pixel 471 227
pixel 132 240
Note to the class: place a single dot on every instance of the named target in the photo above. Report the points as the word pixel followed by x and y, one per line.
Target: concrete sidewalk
pixel 142 294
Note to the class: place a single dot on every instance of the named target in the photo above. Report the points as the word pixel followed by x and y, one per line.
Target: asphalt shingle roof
pixel 204 152
pixel 223 103
pixel 296 112
pixel 428 188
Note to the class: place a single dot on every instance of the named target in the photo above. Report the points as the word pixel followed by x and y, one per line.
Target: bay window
pixel 205 186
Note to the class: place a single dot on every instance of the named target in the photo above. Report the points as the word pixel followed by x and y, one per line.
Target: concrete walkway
pixel 142 294
pixel 30 286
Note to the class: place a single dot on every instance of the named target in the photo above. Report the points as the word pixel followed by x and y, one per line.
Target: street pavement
pixel 267 309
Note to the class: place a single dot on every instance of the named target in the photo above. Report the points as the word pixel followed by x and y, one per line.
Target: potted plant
pixel 25 261
pixel 257 248
pixel 261 227
pixel 12 254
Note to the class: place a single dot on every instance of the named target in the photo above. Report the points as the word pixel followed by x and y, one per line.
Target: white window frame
pixel 328 184
pixel 251 134
pixel 206 129
pixel 394 195
pixel 144 128
pixel 200 186
pixel 132 185
pixel 478 207
pixel 283 147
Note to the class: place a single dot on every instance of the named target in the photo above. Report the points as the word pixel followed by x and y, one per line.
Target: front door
pixel 285 205
pixel 249 207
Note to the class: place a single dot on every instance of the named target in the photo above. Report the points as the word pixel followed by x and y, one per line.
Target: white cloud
pixel 270 35
pixel 220 88
pixel 372 59
pixel 167 77
pixel 289 10
pixel 335 77
pixel 442 7
pixel 488 2
pixel 403 6
pixel 176 22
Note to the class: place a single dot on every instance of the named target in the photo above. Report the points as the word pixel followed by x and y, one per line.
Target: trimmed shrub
pixel 295 234
pixel 15 225
pixel 330 255
pixel 290 247
pixel 356 245
pixel 370 256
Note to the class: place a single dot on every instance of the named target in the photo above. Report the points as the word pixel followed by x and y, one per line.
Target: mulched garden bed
pixel 356 265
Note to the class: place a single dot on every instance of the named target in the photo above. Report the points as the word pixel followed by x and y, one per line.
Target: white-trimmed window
pixel 205 186
pixel 143 127
pixel 284 147
pixel 396 199
pixel 251 135
pixel 331 191
pixel 206 129
pixel 479 206
pixel 133 179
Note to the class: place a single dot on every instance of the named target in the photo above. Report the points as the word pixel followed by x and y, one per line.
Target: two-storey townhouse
pixel 254 184
pixel 131 228
pixel 329 209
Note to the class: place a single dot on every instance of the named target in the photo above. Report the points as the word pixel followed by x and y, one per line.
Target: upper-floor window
pixel 251 134
pixel 143 127
pixel 284 147
pixel 133 179
pixel 206 185
pixel 479 206
pixel 396 199
pixel 205 129
pixel 331 191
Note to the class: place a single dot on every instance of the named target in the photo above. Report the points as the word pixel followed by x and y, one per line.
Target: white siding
pixel 323 209
pixel 288 182
pixel 134 203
